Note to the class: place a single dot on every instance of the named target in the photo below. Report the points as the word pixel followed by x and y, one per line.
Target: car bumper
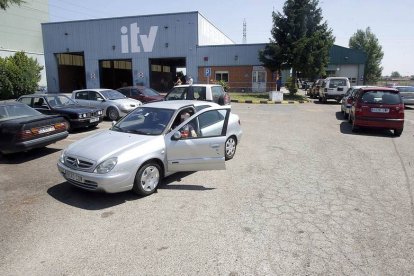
pixel 35 143
pixel 78 123
pixel 110 183
pixel 380 123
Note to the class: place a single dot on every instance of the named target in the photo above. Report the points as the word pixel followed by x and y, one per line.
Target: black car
pixel 57 104
pixel 23 128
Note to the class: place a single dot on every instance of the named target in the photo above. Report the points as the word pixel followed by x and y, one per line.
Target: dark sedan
pixel 141 93
pixel 23 128
pixel 56 104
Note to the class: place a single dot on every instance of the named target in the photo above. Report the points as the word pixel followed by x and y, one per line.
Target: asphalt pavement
pixel 303 196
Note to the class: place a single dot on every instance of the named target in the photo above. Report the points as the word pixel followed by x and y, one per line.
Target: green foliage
pixel 19 75
pixel 368 42
pixel 300 40
pixel 4 4
pixel 224 84
pixel 291 86
pixel 395 74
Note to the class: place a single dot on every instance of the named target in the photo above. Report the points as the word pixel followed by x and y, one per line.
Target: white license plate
pixel 380 110
pixel 46 129
pixel 74 176
pixel 93 120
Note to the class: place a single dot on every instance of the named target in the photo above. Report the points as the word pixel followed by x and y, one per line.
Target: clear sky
pixel 391 21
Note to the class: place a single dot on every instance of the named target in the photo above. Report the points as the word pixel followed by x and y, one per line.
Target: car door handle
pixel 215 146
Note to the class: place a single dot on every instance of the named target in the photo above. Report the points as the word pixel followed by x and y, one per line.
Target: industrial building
pixel 151 50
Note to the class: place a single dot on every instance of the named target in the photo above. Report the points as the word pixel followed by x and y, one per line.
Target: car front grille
pixel 87 185
pixel 78 164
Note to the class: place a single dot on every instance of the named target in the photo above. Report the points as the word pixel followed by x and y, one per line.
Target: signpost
pixel 207 73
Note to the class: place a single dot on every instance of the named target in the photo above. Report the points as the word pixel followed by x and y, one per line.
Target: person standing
pixel 279 83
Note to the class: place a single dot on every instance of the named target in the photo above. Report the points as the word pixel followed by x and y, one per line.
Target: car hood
pixel 127 101
pixel 75 109
pixel 107 144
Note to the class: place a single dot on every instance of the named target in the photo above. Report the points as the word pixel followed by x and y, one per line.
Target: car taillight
pixel 358 107
pixel 25 134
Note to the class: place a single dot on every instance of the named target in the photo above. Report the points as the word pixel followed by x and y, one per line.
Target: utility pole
pixel 244 31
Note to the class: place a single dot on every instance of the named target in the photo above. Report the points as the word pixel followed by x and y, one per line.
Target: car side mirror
pixel 176 136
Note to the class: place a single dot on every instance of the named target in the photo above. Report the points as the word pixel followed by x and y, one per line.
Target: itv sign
pixel 132 42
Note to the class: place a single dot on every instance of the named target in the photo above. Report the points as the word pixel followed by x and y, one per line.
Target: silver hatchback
pixel 114 103
pixel 152 142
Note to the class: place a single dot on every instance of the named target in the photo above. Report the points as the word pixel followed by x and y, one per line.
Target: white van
pixel 333 88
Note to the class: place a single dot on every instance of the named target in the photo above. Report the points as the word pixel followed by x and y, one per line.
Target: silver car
pixel 150 143
pixel 407 94
pixel 114 103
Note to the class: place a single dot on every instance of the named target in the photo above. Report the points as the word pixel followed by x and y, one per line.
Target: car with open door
pixel 152 142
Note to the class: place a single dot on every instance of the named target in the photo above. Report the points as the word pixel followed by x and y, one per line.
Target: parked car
pixel 150 143
pixel 378 107
pixel 201 92
pixel 22 128
pixel 314 89
pixel 346 102
pixel 77 116
pixel 333 88
pixel 113 103
pixel 141 93
pixel 407 94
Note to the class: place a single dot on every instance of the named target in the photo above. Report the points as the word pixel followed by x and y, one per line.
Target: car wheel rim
pixel 150 178
pixel 230 147
pixel 112 114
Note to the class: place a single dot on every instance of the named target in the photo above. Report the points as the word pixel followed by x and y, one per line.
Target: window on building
pixel 222 75
pixel 156 68
pixel 166 69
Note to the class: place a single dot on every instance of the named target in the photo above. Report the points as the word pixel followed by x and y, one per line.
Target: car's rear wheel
pixel 147 179
pixel 112 113
pixel 398 132
pixel 230 147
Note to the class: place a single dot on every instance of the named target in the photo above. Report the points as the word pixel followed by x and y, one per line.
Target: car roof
pixel 198 85
pixel 178 104
pixel 94 89
pixel 369 88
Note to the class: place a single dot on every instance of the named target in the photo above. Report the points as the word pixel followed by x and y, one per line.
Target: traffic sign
pixel 207 72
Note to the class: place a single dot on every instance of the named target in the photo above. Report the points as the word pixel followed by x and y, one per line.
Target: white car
pixel 113 103
pixel 201 92
pixel 150 143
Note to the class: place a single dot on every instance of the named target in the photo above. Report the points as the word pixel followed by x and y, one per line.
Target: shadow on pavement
pixel 346 128
pixel 327 103
pixel 76 197
pixel 22 157
pixel 340 116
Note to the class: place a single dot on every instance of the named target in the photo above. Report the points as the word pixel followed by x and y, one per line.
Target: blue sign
pixel 207 72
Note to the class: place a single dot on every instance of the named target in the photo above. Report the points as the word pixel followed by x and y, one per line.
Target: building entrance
pixel 71 71
pixel 163 72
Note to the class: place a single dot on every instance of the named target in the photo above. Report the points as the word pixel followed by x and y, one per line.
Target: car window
pixel 405 89
pixel 83 95
pixel 337 82
pixel 381 97
pixel 217 92
pixel 201 107
pixel 112 94
pixel 212 123
pixel 8 112
pixel 26 100
pixel 59 100
pixel 150 92
pixel 177 93
pixel 39 102
pixel 199 93
pixel 145 121
pixel 125 92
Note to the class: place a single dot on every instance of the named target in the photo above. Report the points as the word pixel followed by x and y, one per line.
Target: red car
pixel 377 107
pixel 141 93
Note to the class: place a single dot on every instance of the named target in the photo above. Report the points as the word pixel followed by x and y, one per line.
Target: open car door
pixel 198 144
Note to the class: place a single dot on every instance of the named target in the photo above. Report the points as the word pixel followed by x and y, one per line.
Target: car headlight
pixel 106 166
pixel 62 158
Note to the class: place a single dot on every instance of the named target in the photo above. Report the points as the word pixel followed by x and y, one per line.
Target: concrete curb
pixel 268 102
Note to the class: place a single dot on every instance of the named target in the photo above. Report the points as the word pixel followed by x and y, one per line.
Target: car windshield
pixel 145 121
pixel 59 100
pixel 8 112
pixel 381 97
pixel 177 93
pixel 150 92
pixel 112 94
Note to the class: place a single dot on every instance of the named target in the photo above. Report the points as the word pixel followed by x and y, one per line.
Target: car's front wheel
pixel 230 149
pixel 112 113
pixel 147 179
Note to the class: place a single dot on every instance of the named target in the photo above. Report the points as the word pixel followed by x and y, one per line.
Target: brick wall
pixel 240 77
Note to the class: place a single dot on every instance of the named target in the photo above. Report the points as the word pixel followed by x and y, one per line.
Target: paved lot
pixel 303 196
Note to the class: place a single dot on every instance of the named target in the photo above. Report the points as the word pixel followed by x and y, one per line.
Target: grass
pixel 263 97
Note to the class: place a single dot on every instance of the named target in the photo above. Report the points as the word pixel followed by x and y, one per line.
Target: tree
pixel 4 4
pixel 368 42
pixel 19 75
pixel 300 40
pixel 395 74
